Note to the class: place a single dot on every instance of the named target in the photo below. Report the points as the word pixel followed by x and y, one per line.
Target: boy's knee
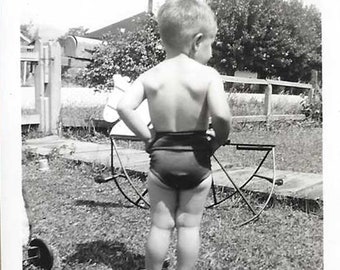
pixel 164 224
pixel 188 220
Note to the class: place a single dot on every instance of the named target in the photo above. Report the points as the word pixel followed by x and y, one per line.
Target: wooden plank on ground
pixel 295 184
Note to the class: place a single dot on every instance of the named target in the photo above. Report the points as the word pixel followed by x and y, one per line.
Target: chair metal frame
pixel 143 203
pixel 110 115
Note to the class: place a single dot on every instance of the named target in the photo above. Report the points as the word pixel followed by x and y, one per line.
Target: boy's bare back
pixel 182 92
pixel 176 91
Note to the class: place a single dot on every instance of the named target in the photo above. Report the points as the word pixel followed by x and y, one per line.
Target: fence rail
pixel 243 80
pixel 267 110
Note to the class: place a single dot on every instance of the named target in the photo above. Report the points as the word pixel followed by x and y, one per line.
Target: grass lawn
pixel 298 148
pixel 91 226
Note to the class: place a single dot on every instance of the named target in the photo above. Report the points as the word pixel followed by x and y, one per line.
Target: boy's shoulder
pixel 204 70
pixel 207 73
pixel 212 71
pixel 197 68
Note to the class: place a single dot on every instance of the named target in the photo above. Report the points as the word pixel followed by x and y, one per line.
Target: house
pixel 128 24
pixel 78 50
pixel 81 47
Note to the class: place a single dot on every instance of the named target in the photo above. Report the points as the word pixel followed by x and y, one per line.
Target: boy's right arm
pixel 219 110
pixel 126 109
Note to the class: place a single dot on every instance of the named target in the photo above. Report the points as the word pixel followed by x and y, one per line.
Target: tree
pixel 274 38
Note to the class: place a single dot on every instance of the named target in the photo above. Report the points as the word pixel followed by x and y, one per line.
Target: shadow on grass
pixel 113 254
pixel 91 203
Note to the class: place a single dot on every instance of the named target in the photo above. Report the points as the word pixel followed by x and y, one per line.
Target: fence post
pixel 24 72
pixel 39 84
pixel 47 114
pixel 54 85
pixel 268 102
pixel 315 86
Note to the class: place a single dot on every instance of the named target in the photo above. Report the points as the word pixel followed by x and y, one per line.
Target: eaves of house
pixel 129 24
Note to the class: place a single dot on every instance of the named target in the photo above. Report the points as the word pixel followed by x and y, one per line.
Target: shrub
pixel 312 109
pixel 128 54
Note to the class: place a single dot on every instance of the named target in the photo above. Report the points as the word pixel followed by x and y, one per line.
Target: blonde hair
pixel 180 20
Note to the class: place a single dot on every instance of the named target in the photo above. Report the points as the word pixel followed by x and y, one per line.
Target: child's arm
pixel 127 110
pixel 219 110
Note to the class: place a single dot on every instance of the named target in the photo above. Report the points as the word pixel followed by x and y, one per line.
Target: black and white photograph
pixel 169 134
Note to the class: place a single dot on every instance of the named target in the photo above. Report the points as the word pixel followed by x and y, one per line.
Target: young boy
pixel 182 93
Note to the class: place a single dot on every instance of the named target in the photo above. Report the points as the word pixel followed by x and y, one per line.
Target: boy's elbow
pixel 222 124
pixel 223 120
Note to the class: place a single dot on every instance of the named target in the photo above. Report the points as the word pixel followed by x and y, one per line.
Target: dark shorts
pixel 181 160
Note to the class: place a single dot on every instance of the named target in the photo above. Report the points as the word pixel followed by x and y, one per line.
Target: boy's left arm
pixel 127 110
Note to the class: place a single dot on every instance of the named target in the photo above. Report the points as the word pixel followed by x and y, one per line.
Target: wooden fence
pixel 47 83
pixel 267 110
pixel 47 77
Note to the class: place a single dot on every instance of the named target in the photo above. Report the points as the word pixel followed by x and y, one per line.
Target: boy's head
pixel 181 20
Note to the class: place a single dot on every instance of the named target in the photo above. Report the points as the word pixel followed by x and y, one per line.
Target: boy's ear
pixel 196 41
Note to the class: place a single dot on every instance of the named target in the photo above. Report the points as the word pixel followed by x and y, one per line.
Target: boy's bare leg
pixel 188 219
pixel 163 205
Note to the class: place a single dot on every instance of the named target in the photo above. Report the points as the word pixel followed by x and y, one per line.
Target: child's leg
pixel 188 219
pixel 163 205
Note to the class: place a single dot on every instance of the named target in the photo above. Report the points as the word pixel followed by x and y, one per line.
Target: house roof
pixel 129 24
